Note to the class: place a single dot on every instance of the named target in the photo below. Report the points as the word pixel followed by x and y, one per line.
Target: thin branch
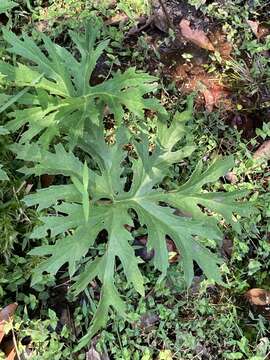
pixel 15 343
pixel 168 18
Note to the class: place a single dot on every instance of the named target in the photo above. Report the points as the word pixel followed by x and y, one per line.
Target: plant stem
pixel 168 18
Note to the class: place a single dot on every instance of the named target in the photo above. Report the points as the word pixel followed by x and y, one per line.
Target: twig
pixel 15 343
pixel 168 18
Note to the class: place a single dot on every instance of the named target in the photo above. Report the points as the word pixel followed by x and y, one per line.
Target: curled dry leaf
pixel 254 25
pixel 259 297
pixel 7 312
pixel 46 180
pixel 8 349
pixel 260 301
pixel 231 177
pixel 259 30
pixel 197 37
pixel 212 96
pixel 263 153
pixel 172 250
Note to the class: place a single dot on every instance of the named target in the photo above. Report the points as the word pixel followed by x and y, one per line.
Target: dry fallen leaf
pixel 148 321
pixel 259 297
pixel 172 250
pixel 195 78
pixel 117 19
pixel 231 177
pixel 42 25
pixel 263 153
pixel 259 30
pixel 227 247
pixel 195 36
pixel 92 354
pixel 11 355
pixel 254 25
pixel 221 44
pixel 5 315
pixel 214 93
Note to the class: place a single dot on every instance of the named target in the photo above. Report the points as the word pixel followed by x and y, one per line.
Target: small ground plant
pixel 140 219
pixel 61 100
pixel 108 188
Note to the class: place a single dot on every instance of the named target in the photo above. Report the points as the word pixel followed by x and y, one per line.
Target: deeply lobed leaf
pixel 60 95
pixel 112 206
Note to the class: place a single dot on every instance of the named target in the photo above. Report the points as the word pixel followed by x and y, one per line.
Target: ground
pixel 218 52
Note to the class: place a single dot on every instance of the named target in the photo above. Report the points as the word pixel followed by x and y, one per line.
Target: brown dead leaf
pixel 117 19
pixel 214 95
pixel 259 30
pixel 263 153
pixel 254 25
pixel 263 31
pixel 227 247
pixel 221 44
pixel 11 355
pixel 195 78
pixel 42 25
pixel 5 315
pixel 149 320
pixel 8 348
pixel 172 250
pixel 231 177
pixel 197 37
pixel 259 297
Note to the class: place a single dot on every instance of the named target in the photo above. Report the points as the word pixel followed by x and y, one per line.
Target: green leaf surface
pixel 60 91
pixel 7 5
pixel 3 174
pixel 95 203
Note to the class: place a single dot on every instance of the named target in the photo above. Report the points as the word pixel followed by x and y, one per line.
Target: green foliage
pixel 102 188
pixel 96 199
pixel 60 100
pixel 7 5
pixel 3 175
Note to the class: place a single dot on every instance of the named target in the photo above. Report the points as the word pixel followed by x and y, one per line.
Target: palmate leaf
pixel 112 207
pixel 60 98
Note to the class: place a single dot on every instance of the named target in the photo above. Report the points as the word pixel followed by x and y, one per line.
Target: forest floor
pixel 219 52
